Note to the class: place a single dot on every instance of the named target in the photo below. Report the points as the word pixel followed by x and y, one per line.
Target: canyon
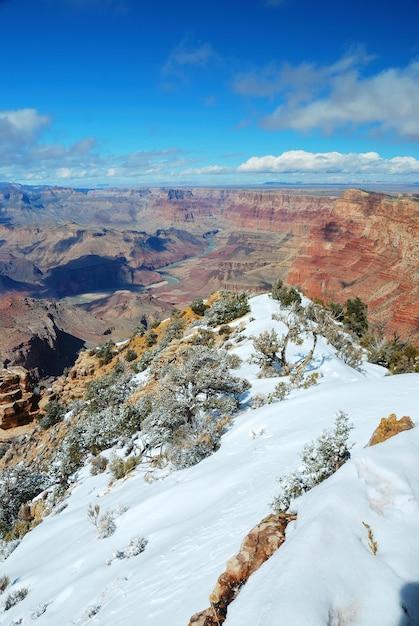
pixel 81 267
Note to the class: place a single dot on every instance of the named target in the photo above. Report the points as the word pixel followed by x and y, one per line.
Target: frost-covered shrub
pixel 54 413
pixel 7 547
pixel 296 380
pixel 136 546
pixel 18 485
pixel 121 467
pixel 196 397
pixel 106 525
pixel 4 583
pixel 229 307
pixel 320 459
pixel 15 597
pixel 98 464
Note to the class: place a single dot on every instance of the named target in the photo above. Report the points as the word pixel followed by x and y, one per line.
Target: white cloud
pixel 338 97
pixel 367 164
pixel 21 127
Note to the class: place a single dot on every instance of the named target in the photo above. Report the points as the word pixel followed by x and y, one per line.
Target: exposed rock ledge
pixel 18 402
pixel 260 544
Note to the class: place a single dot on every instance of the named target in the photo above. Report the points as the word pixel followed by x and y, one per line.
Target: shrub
pixel 105 524
pixel 98 464
pixel 54 413
pixel 136 546
pixel 198 306
pixel 320 459
pixel 229 307
pixel 356 316
pixel 105 353
pixel 130 355
pixel 15 597
pixel 4 583
pixel 120 467
pixel 285 295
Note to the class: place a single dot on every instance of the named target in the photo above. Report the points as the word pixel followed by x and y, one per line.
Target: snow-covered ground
pixel 325 574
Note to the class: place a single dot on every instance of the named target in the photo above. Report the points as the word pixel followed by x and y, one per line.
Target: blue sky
pixel 126 92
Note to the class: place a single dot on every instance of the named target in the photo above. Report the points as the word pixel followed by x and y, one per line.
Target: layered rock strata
pixel 18 402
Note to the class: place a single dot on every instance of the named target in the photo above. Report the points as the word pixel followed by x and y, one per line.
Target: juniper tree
pixel 197 392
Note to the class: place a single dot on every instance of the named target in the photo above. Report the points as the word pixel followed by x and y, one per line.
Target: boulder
pixel 260 544
pixel 390 426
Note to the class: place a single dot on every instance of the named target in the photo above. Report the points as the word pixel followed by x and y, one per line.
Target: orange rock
pixel 260 544
pixel 390 426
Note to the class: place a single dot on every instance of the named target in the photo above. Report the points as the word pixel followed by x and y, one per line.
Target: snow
pixel 194 520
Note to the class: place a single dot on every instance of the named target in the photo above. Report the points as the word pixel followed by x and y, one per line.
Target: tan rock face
pixel 260 544
pixel 390 426
pixel 18 403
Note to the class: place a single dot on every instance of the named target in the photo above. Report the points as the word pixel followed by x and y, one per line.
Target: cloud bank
pixel 338 97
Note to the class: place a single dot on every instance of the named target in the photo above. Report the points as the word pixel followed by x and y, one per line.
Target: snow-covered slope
pixel 195 519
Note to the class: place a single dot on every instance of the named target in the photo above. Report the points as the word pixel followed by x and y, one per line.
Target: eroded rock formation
pixel 389 427
pixel 257 547
pixel 18 402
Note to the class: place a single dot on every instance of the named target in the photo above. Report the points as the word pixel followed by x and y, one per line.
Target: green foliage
pixel 355 318
pixel 400 357
pixel 198 306
pixel 229 307
pixel 150 338
pixel 105 353
pixel 204 337
pixel 297 380
pixel 130 355
pixel 54 413
pixel 337 311
pixel 319 460
pixel 286 295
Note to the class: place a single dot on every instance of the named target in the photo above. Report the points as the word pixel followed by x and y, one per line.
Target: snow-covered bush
pixel 4 583
pixel 105 524
pixel 296 380
pixel 196 396
pixel 18 485
pixel 15 597
pixel 229 307
pixel 320 459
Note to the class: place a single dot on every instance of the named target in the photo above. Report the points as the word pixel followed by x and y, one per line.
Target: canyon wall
pixel 150 249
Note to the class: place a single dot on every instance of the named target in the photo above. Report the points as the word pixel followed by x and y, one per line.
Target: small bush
pixel 198 306
pixel 130 355
pixel 229 307
pixel 54 413
pixel 106 525
pixel 120 467
pixel 15 597
pixel 4 583
pixel 98 465
pixel 136 546
pixel 320 459
pixel 287 296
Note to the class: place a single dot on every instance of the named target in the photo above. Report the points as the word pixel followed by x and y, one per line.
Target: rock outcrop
pixel 258 546
pixel 389 427
pixel 18 402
